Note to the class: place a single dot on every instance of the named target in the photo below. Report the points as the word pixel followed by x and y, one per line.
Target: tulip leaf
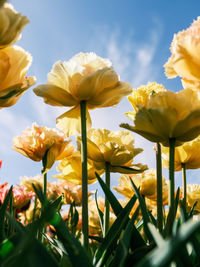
pixel 116 206
pixel 169 219
pixel 145 214
pixel 131 235
pixel 156 235
pixel 16 224
pixel 3 212
pixel 110 240
pixel 76 252
pixel 39 193
pixel 171 248
pixel 100 213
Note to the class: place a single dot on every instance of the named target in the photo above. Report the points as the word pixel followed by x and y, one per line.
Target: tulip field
pixel 61 223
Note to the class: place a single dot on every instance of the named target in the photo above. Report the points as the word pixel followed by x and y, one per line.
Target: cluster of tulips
pixel 171 120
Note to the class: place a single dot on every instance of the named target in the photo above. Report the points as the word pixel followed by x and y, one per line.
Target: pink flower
pixel 20 196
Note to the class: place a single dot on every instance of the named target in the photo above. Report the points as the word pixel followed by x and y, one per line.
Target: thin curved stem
pixel 84 176
pixel 159 188
pixel 45 184
pixel 107 205
pixel 171 181
pixel 184 185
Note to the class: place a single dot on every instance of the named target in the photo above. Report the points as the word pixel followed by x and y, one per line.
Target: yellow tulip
pixel 193 195
pixel 141 95
pixel 187 154
pixel 168 115
pixel 85 77
pixel 146 181
pixel 185 58
pixel 94 223
pixel 114 147
pixel 71 169
pixel 14 64
pixel 11 25
pixel 38 141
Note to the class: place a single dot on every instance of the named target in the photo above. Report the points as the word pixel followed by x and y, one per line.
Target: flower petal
pixel 111 96
pixel 183 133
pixel 70 122
pixel 4 65
pixel 54 95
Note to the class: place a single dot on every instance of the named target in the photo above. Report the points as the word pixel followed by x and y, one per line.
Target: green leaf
pixel 166 230
pixel 172 248
pixel 156 235
pixel 144 210
pixel 100 213
pixel 39 193
pixel 2 214
pixel 116 206
pixel 131 235
pixel 105 249
pixel 77 255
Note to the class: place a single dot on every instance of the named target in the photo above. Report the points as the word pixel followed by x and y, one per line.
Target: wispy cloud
pixel 134 61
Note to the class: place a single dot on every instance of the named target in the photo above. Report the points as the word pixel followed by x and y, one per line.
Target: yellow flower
pixel 36 180
pixel 167 115
pixel 71 169
pixel 85 77
pixel 14 64
pixel 185 58
pixel 72 193
pixel 193 195
pixel 146 181
pixel 187 154
pixel 11 25
pixel 114 147
pixel 94 222
pixel 38 141
pixel 141 95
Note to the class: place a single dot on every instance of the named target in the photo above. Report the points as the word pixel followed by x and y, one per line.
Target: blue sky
pixel 134 34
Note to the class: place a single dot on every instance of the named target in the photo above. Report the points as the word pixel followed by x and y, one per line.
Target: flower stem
pixel 171 181
pixel 184 185
pixel 44 173
pixel 35 207
pixel 107 205
pixel 85 241
pixel 45 184
pixel 159 188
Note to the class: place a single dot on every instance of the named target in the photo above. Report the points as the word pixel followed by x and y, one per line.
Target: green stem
pixel 45 184
pixel 107 205
pixel 85 240
pixel 184 185
pixel 159 188
pixel 44 173
pixel 171 181
pixel 34 209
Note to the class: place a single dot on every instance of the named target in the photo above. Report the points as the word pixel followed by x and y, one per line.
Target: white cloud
pixel 134 61
pixel 45 114
pixel 12 123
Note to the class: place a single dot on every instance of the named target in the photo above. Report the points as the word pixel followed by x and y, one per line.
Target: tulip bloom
pixel 114 147
pixel 85 77
pixel 146 181
pixel 11 25
pixel 71 170
pixel 14 64
pixel 168 115
pixel 141 95
pixel 193 195
pixel 187 154
pixel 185 59
pixel 21 197
pixel 38 141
